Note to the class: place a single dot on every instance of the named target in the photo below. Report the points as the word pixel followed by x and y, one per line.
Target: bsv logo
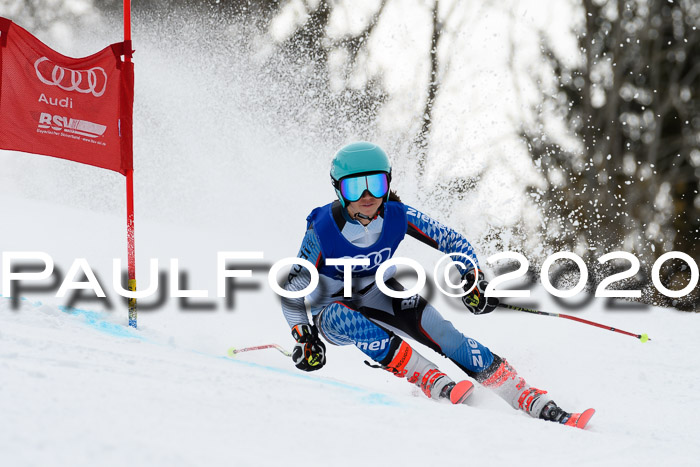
pixel 92 81
pixel 375 259
pixel 70 125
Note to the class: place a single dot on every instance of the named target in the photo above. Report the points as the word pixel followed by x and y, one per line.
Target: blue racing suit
pixel 369 318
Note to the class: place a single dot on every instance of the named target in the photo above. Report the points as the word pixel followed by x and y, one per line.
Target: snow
pixel 79 388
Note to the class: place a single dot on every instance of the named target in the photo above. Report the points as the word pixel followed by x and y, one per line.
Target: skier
pixel 368 220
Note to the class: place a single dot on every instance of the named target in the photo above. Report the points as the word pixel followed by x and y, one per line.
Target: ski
pixel 461 391
pixel 580 420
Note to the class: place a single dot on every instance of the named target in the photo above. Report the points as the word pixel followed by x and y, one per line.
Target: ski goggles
pixel 352 188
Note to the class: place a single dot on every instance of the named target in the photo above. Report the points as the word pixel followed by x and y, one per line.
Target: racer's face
pixel 367 205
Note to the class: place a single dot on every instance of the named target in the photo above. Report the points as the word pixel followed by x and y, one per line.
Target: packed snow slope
pixel 78 387
pixel 229 158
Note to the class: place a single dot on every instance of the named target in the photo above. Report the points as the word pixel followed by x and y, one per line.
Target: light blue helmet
pixel 358 158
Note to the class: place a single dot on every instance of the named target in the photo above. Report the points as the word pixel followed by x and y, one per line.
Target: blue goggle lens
pixel 352 187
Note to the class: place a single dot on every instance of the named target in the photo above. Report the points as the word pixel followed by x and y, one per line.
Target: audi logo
pixel 375 259
pixel 92 81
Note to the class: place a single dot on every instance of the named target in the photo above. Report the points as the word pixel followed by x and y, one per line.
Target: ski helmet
pixel 356 159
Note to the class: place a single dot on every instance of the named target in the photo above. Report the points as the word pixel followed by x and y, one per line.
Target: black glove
pixel 475 300
pixel 309 352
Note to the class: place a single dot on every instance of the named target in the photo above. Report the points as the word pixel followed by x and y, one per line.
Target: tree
pixel 631 101
pixel 310 43
pixel 40 16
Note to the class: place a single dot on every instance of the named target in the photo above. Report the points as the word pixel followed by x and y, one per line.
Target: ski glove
pixel 475 301
pixel 309 352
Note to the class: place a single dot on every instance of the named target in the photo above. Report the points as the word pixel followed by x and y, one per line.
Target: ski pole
pixel 233 351
pixel 641 337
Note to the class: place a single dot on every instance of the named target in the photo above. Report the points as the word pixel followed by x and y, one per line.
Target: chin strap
pixel 359 215
pixel 362 216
